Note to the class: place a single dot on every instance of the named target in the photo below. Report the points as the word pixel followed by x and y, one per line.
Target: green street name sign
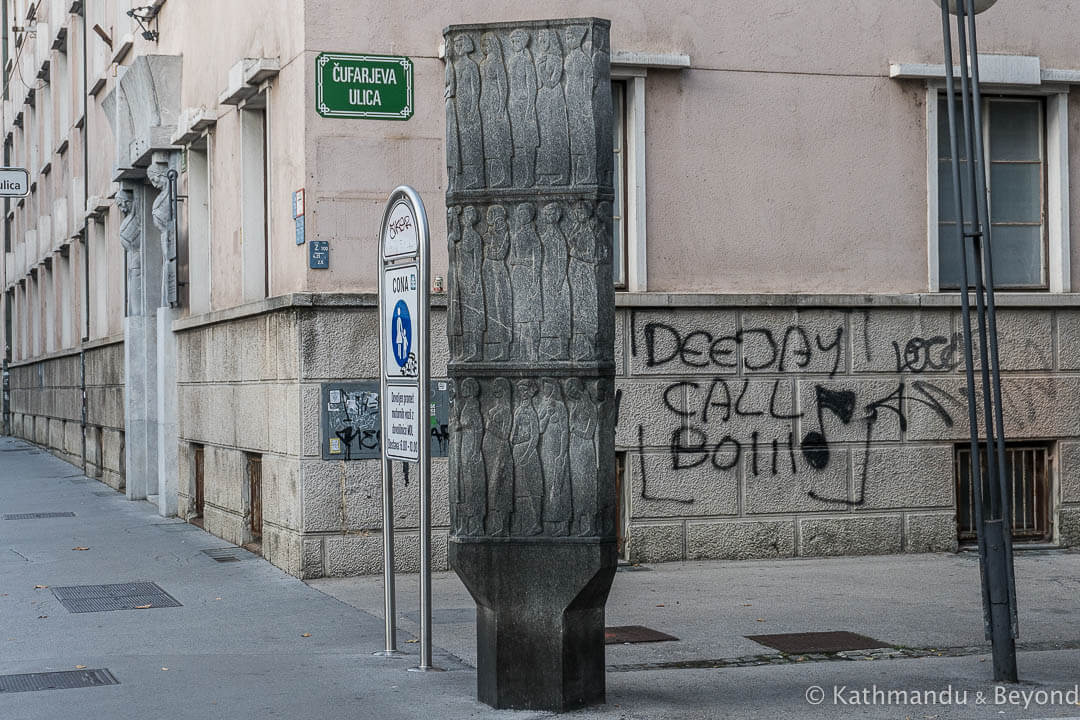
pixel 377 87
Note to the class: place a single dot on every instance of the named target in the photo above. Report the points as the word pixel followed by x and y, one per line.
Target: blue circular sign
pixel 401 333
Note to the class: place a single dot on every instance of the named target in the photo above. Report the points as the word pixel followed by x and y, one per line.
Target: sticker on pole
pixel 400 235
pixel 401 423
pixel 401 293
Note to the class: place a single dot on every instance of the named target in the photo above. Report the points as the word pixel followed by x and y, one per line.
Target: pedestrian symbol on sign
pixel 402 333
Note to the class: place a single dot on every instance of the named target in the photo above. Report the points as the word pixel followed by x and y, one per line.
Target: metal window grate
pixel 61 680
pixel 38 516
pixel 1027 468
pixel 118 596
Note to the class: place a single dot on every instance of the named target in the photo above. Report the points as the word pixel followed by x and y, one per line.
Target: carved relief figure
pixel 522 106
pixel 584 457
pixel 525 282
pixel 601 94
pixel 603 404
pixel 453 311
pixel 497 459
pixel 162 214
pixel 582 275
pixel 456 490
pixel 493 101
pixel 528 476
pixel 553 155
pixel 469 278
pixel 555 451
pixel 497 298
pixel 467 106
pixel 605 271
pixel 453 143
pixel 472 480
pixel 555 328
pixel 579 98
pixel 131 239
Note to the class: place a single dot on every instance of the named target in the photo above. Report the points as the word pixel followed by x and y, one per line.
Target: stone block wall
pixel 750 426
pixel 46 407
pixel 342 500
pixel 237 398
pixel 758 430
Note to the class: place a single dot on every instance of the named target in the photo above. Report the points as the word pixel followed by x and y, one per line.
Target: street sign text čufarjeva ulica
pixel 376 87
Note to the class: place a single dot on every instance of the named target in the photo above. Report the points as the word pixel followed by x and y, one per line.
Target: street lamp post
pixel 993 520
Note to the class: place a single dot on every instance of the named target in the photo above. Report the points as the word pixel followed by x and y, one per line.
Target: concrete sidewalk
pixel 251 642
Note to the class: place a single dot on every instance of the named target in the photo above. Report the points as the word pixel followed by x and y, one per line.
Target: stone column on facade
pixel 139 341
pixel 166 428
pixel 532 463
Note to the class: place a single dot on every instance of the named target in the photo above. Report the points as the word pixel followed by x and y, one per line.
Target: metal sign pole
pixel 424 352
pixel 389 594
pixel 405 402
pixel 972 223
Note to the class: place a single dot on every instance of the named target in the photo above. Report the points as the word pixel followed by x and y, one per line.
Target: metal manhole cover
pixel 634 634
pixel 818 642
pixel 38 516
pixel 60 680
pixel 118 596
pixel 228 554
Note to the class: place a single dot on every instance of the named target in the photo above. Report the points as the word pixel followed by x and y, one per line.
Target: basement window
pixel 1027 467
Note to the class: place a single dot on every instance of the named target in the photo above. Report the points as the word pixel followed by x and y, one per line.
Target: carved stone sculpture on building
pixel 131 239
pixel 453 289
pixel 497 296
pixel 530 326
pixel 582 275
pixel 554 331
pixel 469 277
pixel 470 471
pixel 525 283
pixel 579 95
pixel 467 107
pixel 494 93
pixel 163 215
pixel 552 158
pixel 522 106
pixel 498 458
pixel 528 475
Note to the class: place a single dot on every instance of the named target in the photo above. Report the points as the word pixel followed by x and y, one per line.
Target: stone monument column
pixel 531 323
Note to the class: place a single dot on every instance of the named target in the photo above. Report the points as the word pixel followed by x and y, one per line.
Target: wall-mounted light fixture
pixel 145 14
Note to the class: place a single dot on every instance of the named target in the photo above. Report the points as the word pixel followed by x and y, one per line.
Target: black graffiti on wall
pixel 762 349
pixel 729 419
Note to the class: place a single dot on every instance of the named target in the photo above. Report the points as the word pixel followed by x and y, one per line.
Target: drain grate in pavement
pixel 634 634
pixel 106 493
pixel 60 680
pixel 228 554
pixel 818 642
pixel 118 596
pixel 38 516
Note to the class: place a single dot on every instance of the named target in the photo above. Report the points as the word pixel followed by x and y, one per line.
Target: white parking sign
pixel 401 320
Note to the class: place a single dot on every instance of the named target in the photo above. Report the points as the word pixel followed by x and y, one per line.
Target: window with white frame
pixel 1025 135
pixel 1015 154
pixel 628 208
pixel 618 181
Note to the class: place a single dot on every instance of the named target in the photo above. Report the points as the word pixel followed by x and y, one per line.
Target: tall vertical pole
pixel 995 549
pixel 424 351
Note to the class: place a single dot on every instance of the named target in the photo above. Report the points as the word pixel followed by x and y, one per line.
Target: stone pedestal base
pixel 539 619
